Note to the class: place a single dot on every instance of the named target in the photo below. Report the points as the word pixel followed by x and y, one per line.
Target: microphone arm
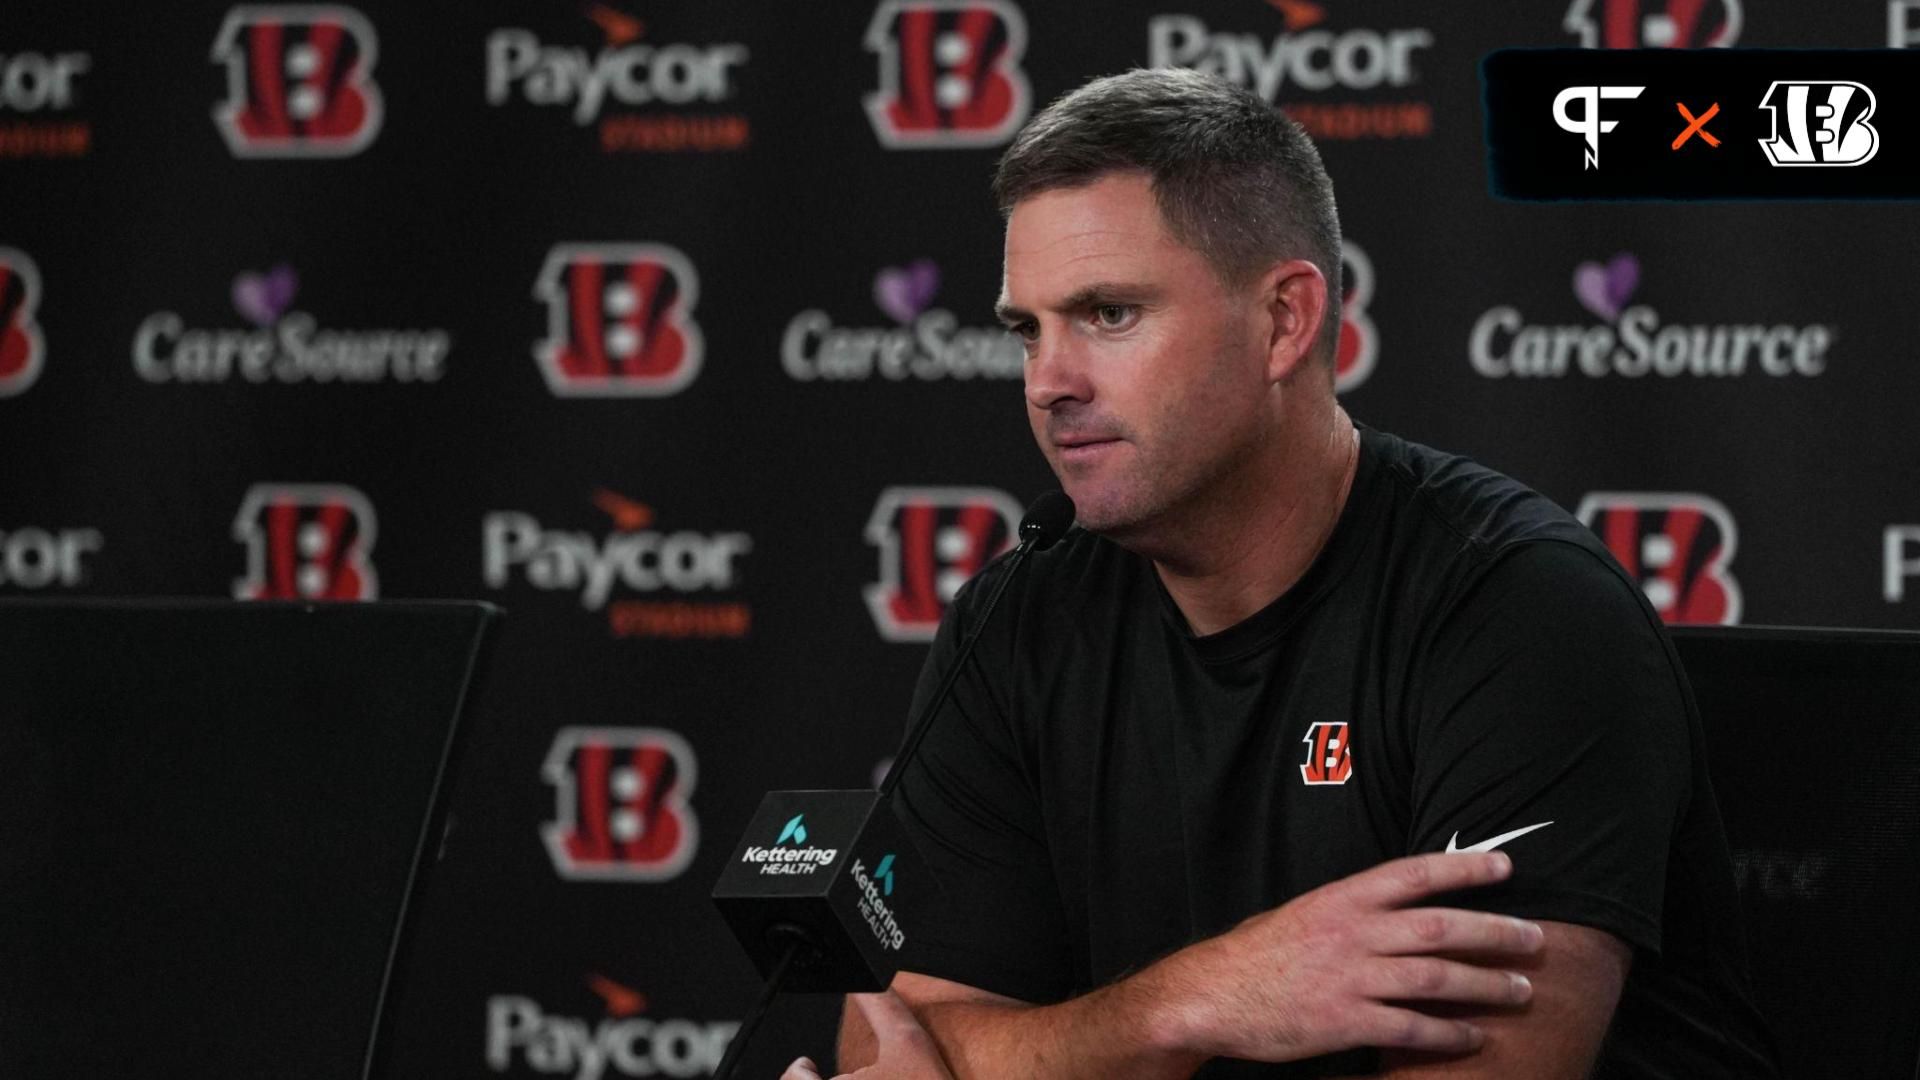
pixel 1031 540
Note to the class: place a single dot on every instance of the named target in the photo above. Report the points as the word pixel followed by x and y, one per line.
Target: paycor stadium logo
pixel 652 581
pixel 1337 81
pixel 525 1039
pixel 39 97
pixel 639 92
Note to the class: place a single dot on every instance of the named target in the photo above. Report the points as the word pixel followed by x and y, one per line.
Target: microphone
pixel 1045 522
pixel 810 890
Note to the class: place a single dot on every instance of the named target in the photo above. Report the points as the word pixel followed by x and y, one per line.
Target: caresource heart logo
pixel 262 298
pixel 904 292
pixel 1605 290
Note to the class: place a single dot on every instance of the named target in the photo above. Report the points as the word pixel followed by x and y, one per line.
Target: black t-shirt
pixel 1463 661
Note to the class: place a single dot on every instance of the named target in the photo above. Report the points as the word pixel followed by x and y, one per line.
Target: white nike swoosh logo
pixel 1489 845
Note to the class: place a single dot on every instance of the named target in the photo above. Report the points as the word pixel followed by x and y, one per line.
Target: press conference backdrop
pixel 667 327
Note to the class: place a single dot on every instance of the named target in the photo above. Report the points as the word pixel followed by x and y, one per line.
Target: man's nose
pixel 1056 372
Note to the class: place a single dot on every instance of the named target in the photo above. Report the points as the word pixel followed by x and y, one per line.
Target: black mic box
pixel 833 869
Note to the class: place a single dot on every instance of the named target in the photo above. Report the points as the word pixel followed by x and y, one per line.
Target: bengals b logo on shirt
pixel 619 320
pixel 1329 760
pixel 299 81
pixel 622 812
pixel 1677 546
pixel 950 73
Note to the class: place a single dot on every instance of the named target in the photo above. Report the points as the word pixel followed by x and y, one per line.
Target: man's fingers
pixel 801 1069
pixel 1428 978
pixel 892 1022
pixel 1438 930
pixel 1384 1025
pixel 1402 881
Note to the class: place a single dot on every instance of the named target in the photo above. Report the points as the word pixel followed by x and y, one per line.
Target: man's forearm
pixel 1122 1029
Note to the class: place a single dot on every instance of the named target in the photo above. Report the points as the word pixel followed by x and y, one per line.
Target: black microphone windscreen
pixel 1047 519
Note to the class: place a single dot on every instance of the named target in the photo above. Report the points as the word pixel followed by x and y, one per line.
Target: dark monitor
pixel 211 816
pixel 1813 743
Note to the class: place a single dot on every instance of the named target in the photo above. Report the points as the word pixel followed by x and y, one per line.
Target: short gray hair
pixel 1234 179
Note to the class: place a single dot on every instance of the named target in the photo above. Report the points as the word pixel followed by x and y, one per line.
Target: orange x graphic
pixel 1697 125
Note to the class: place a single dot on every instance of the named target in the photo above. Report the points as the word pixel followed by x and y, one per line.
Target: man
pixel 1195 796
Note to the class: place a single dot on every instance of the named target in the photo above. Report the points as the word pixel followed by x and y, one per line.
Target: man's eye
pixel 1113 316
pixel 1025 331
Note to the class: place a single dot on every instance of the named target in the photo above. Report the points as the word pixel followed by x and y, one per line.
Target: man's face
pixel 1146 375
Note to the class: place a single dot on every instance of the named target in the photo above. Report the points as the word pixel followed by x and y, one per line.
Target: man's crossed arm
pixel 1444 992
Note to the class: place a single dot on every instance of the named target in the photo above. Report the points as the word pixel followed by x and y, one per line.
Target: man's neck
pixel 1259 543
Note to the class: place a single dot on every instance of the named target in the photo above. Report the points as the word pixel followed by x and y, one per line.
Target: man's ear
pixel 1294 294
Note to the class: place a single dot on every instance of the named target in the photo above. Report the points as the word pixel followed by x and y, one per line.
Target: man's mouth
pixel 1080 447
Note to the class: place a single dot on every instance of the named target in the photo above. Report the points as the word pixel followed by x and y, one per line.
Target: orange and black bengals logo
pixel 1329 759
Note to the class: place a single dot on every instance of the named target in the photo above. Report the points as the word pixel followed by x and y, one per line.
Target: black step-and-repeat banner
pixel 668 327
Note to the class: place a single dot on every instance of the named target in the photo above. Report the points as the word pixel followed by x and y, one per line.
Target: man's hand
pixel 907 1052
pixel 1318 974
pixel 1314 976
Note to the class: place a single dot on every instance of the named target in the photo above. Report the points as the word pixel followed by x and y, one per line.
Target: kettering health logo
pixel 1632 341
pixel 791 854
pixel 873 907
pixel 795 831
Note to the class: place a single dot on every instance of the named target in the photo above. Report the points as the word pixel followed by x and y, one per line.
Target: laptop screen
pixel 210 818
